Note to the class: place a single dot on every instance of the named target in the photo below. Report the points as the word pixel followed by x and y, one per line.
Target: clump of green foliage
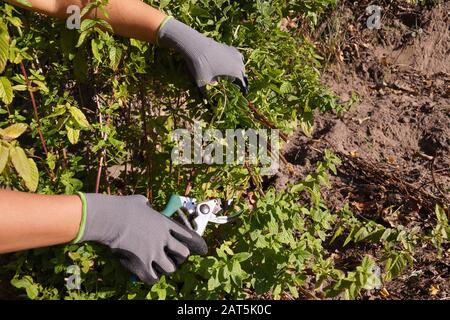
pixel 74 101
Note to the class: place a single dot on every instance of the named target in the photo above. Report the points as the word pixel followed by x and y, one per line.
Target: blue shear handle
pixel 173 205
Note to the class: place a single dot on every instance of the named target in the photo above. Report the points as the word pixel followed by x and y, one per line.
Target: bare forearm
pixel 128 18
pixel 31 221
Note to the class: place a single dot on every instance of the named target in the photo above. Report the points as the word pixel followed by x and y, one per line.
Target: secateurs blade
pixel 196 215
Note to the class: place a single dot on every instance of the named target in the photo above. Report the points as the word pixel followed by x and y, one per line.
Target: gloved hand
pixel 148 243
pixel 207 60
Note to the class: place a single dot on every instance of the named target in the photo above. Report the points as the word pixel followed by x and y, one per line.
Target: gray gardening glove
pixel 148 243
pixel 207 60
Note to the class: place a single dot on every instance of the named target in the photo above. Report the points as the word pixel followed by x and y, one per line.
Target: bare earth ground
pixel 394 142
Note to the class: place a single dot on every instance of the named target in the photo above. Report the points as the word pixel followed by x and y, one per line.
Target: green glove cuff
pixel 161 26
pixel 83 218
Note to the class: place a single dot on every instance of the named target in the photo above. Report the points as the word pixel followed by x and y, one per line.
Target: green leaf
pixel 51 161
pixel 213 283
pixel 6 91
pixel 95 49
pixel 15 21
pixel 82 38
pixel 25 3
pixel 4 47
pixel 105 26
pixel 27 283
pixel 164 3
pixel 72 134
pixel 33 181
pixel 71 184
pixel 294 292
pixel 20 161
pixel 297 188
pixel 88 7
pixel 242 256
pixel 20 87
pixel 349 238
pixel 440 215
pixel 236 274
pixel 32 291
pixel 13 131
pixel 58 111
pixel 197 11
pixel 26 168
pixel 79 117
pixel 277 291
pixel 85 266
pixel 4 155
pixel 22 283
pixel 286 87
pixel 115 54
pixel 337 234
pixel 87 24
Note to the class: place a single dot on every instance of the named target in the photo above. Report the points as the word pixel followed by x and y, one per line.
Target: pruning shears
pixel 196 215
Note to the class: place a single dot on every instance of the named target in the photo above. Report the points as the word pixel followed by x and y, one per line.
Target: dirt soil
pixel 395 140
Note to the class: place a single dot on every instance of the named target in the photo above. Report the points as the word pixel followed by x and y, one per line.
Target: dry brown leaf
pixel 340 56
pixel 358 205
pixel 391 159
pixel 434 290
pixel 354 154
pixel 384 293
pixel 251 198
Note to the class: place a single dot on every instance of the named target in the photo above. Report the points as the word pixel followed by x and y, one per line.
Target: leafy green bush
pixel 84 110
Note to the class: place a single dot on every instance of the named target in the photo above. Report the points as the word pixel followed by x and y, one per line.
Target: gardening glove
pixel 148 244
pixel 206 59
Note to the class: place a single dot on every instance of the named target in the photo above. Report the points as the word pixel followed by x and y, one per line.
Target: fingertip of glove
pixel 202 247
pixel 148 281
pixel 242 83
pixel 197 245
pixel 202 91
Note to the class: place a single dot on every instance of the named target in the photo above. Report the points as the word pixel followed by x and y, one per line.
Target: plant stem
pixel 148 146
pixel 265 121
pixel 103 154
pixel 33 102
